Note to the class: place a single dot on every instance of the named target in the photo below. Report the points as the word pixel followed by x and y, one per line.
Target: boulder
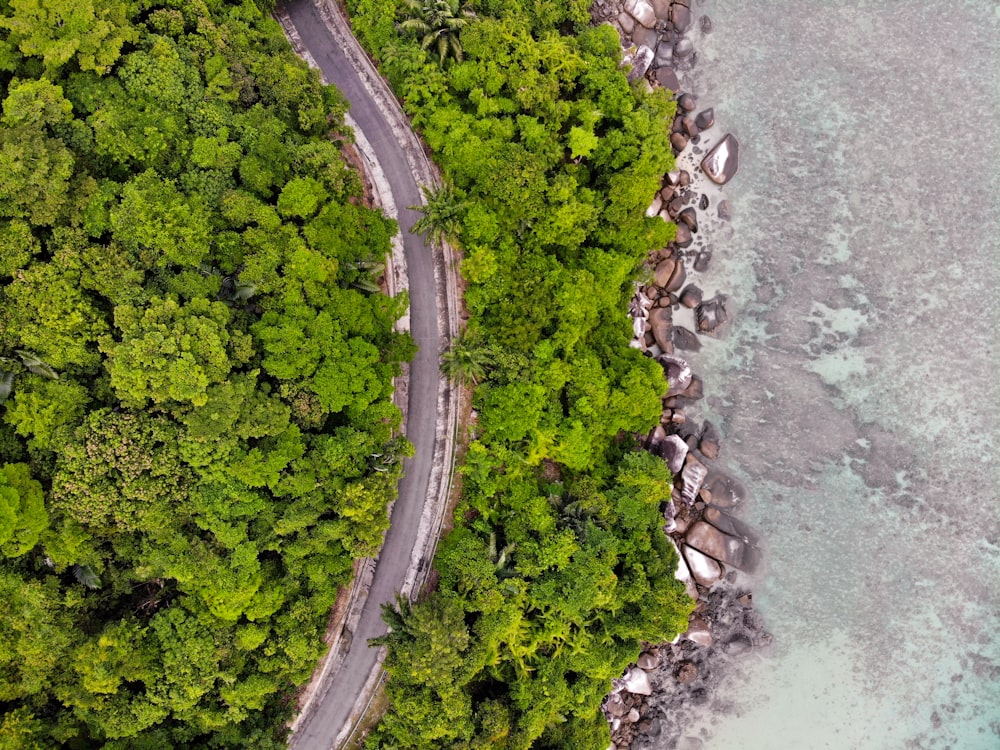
pixel 637 682
pixel 641 61
pixel 690 126
pixel 683 237
pixel 677 277
pixel 683 180
pixel 711 314
pixel 638 327
pixel 698 631
pixel 723 161
pixel 626 22
pixel 705 118
pixel 683 575
pixel 655 206
pixel 674 450
pixel 684 339
pixel 661 326
pixel 690 217
pixel 664 271
pixel 686 103
pixel 667 77
pixel 686 672
pixel 709 441
pixel 677 371
pixel 704 569
pixel 648 661
pixel 701 261
pixel 615 706
pixel 691 296
pixel 692 475
pixel 727 492
pixel 731 525
pixel 642 12
pixel 683 49
pixel 680 17
pixel 696 390
pixel 647 37
pixel 662 9
pixel 679 141
pixel 727 549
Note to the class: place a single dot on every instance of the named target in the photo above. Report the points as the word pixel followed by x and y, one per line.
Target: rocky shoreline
pixel 651 705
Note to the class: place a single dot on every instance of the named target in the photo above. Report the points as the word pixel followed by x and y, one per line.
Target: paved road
pixel 333 708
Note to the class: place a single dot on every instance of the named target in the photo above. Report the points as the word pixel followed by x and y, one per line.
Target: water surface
pixel 859 387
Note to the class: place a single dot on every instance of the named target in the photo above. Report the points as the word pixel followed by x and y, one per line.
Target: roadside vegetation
pixel 557 567
pixel 197 438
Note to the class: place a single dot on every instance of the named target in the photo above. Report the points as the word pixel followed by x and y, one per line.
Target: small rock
pixel 615 706
pixel 703 202
pixel 746 600
pixel 679 141
pixel 705 118
pixel 684 179
pixel 690 127
pixel 706 24
pixel 687 103
pixel 655 206
pixel 738 644
pixel 691 296
pixel 633 716
pixel 725 211
pixel 699 632
pixel 723 161
pixel 701 261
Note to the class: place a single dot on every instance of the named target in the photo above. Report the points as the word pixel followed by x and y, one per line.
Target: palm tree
pixel 442 215
pixel 438 22
pixel 466 361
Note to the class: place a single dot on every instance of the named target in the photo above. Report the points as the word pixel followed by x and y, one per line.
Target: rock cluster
pixel 670 314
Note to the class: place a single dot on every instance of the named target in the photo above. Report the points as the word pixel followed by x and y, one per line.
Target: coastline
pixel 718 552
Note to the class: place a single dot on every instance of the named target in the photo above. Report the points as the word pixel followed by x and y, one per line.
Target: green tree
pixel 23 517
pixel 466 360
pixel 438 24
pixel 442 214
pixel 91 31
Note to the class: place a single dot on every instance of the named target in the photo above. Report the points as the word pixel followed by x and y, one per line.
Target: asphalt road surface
pixel 334 706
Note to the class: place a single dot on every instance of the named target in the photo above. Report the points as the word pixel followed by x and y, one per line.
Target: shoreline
pixel 718 553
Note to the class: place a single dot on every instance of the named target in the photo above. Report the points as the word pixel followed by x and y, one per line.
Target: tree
pixel 442 215
pixel 22 510
pixel 169 352
pixel 438 23
pixel 466 360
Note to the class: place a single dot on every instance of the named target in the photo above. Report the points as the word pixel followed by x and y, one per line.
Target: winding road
pixel 343 685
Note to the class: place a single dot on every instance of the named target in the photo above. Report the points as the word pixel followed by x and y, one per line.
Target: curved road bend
pixel 333 708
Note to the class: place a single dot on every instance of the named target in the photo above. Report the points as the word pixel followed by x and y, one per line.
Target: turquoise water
pixel 859 387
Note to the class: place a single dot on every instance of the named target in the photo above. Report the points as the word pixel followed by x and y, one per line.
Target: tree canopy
pixel 197 438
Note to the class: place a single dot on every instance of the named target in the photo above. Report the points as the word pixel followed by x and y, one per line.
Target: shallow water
pixel 858 388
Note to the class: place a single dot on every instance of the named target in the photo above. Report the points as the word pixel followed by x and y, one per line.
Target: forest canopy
pixel 557 568
pixel 197 438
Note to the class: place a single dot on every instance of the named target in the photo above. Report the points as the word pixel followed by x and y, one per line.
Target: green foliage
pixel 196 432
pixel 557 567
pixel 438 23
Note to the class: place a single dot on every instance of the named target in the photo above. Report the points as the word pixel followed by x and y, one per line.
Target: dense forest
pixel 557 567
pixel 197 434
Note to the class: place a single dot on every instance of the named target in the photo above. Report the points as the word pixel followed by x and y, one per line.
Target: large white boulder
pixel 642 12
